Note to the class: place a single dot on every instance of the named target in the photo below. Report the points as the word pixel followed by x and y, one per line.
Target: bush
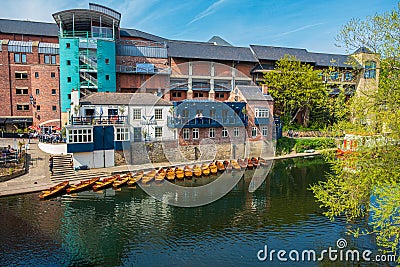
pixel 286 145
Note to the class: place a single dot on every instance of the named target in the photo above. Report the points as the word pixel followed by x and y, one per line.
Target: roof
pixel 216 40
pixel 207 51
pixel 140 34
pixel 144 99
pixel 363 49
pixel 318 59
pixel 253 93
pixel 28 27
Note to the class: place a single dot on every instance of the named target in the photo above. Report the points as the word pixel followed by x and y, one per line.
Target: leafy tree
pixel 366 184
pixel 296 88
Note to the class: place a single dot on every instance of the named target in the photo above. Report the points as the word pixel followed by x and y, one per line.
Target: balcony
pixel 185 122
pixel 99 120
pixel 140 70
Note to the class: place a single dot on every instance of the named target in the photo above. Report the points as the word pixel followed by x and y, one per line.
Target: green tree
pixel 366 184
pixel 296 88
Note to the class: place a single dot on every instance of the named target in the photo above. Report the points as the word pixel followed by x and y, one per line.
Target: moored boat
pixel 180 174
pixel 220 166
pixel 149 176
pixel 213 168
pixel 160 176
pixel 235 165
pixel 104 183
pixel 54 190
pixel 242 164
pixel 250 164
pixel 228 166
pixel 255 162
pixel 170 174
pixel 121 181
pixel 188 172
pixel 262 162
pixel 83 185
pixel 197 171
pixel 136 178
pixel 205 169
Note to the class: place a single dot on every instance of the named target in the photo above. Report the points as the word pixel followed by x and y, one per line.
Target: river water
pixel 130 228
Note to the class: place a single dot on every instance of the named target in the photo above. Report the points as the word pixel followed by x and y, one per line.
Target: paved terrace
pixel 38 176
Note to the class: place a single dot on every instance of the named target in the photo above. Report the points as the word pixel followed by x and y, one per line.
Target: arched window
pixel 370 70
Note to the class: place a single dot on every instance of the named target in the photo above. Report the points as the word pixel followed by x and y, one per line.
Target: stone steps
pixel 78 176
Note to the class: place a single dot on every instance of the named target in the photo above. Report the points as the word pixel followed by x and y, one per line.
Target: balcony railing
pixel 185 122
pixel 134 69
pixel 98 120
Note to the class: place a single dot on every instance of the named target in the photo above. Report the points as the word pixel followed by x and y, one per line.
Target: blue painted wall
pixel 106 53
pixel 103 137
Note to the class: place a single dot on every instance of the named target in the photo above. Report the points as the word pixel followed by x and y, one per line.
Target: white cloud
pixel 211 9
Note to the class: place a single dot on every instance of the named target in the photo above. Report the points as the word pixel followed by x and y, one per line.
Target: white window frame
pixel 236 131
pixel 254 132
pixel 186 134
pixel 262 113
pixel 264 131
pixel 211 132
pixel 121 134
pixel 157 134
pixel 137 114
pixel 158 114
pixel 224 132
pixel 80 135
pixel 195 133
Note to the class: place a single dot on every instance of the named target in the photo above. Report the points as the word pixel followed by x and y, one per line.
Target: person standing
pixel 51 164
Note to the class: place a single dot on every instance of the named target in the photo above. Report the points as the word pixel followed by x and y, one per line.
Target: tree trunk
pixel 295 115
pixel 306 116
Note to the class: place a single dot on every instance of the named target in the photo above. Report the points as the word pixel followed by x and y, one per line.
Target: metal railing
pixel 134 69
pixel 98 120
pixel 89 78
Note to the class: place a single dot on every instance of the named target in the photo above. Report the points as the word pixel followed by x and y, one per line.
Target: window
pixel 37 91
pixel 53 75
pixel 112 112
pixel 22 91
pixel 137 114
pixel 69 79
pixel 334 75
pixel 158 132
pixel 186 134
pixel 107 77
pixel 224 132
pixel 211 133
pixel 121 134
pixel 68 62
pixel 69 96
pixel 53 60
pixel 253 132
pixel 176 94
pixel 36 74
pixel 38 107
pixel 195 133
pixel 236 131
pixel 224 116
pixel 22 107
pixel 21 75
pixel 53 91
pixel 54 108
pixel 196 94
pixel 158 114
pixel 212 113
pixel 89 111
pixel 17 58
pixel 46 59
pixel 107 61
pixel 348 76
pixel 265 131
pixel 262 113
pixel 68 45
pixel 219 95
pixel 79 135
pixel 370 70
pixel 23 58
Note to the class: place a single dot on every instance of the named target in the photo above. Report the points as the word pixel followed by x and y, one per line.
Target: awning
pixel 19 120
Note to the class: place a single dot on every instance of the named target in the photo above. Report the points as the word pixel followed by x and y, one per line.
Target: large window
pixel 21 91
pixel 211 133
pixel 21 75
pixel 158 132
pixel 265 131
pixel 195 132
pixel 158 114
pixel 19 58
pixel 137 114
pixel 262 113
pixel 121 134
pixel 370 70
pixel 186 134
pixel 236 131
pixel 224 132
pixel 80 136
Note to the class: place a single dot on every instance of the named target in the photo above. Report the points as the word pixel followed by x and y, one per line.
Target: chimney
pixel 264 89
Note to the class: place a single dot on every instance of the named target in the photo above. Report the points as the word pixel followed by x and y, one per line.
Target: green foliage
pixel 286 145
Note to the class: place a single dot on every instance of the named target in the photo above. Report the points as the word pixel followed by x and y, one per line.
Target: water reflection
pixel 128 227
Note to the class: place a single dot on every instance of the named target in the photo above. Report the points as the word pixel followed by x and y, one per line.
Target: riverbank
pixel 38 176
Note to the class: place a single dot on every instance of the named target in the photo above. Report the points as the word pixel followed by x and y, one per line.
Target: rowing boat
pixel 170 174
pixel 255 162
pixel 228 166
pixel 54 190
pixel 83 185
pixel 250 164
pixel 242 164
pixel 149 176
pixel 121 181
pixel 205 169
pixel 104 183
pixel 220 166
pixel 235 165
pixel 136 178
pixel 188 172
pixel 160 176
pixel 180 174
pixel 197 171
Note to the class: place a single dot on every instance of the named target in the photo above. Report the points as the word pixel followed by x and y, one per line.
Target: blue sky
pixel 298 23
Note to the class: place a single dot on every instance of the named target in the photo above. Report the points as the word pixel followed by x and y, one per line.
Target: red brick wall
pixel 5 109
pixel 218 139
pixel 19 37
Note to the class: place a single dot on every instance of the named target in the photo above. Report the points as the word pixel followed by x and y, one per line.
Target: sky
pixel 312 25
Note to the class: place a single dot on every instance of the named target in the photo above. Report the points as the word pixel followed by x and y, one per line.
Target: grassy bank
pixel 286 145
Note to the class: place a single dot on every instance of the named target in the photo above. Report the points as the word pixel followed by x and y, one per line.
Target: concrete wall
pixel 94 159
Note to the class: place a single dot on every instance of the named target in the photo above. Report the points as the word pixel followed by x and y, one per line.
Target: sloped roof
pixel 198 50
pixel 217 40
pixel 28 27
pixel 253 93
pixel 363 49
pixel 143 99
pixel 140 34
